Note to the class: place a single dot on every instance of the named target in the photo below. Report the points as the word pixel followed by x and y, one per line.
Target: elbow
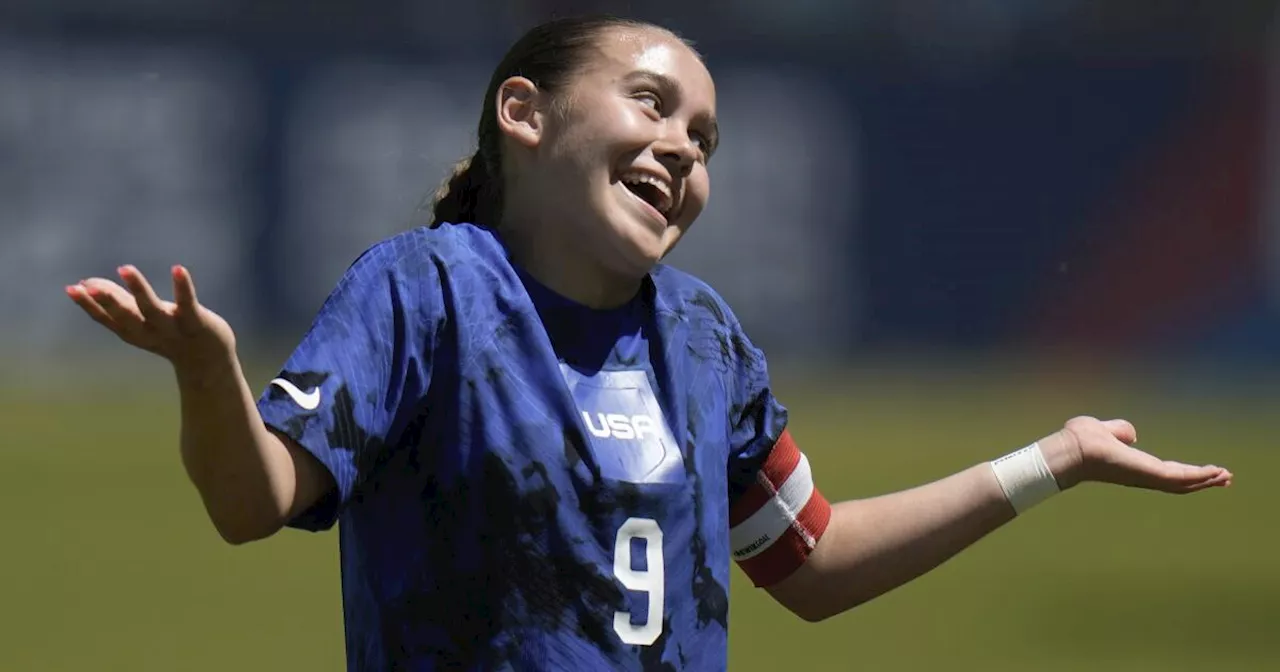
pixel 242 517
pixel 818 608
pixel 236 536
pixel 811 608
pixel 817 613
pixel 239 535
pixel 241 530
pixel 814 616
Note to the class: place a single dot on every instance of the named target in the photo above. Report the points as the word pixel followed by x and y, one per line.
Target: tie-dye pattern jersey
pixel 523 482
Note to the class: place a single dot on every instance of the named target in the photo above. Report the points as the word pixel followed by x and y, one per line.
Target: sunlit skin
pixel 645 102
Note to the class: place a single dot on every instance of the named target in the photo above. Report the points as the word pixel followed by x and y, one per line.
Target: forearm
pixel 872 546
pixel 875 545
pixel 245 475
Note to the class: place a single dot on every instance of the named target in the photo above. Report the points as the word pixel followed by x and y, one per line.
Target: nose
pixel 677 151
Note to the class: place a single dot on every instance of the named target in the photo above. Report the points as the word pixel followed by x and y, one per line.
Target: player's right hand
pixel 182 331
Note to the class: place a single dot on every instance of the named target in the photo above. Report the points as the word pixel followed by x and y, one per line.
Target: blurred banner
pixel 895 176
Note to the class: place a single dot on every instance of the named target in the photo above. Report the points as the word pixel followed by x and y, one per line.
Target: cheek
pixel 699 186
pixel 622 123
pixel 635 123
pixel 600 123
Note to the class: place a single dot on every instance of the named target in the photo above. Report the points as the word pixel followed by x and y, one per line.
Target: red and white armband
pixel 776 523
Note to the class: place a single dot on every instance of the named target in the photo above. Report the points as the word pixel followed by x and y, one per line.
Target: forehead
pixel 625 51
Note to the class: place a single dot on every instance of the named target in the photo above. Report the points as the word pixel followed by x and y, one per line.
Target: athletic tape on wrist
pixel 1025 477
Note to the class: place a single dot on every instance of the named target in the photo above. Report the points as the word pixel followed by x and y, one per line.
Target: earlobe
pixel 519 111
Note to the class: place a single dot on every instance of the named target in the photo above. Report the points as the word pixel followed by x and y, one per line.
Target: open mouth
pixel 651 190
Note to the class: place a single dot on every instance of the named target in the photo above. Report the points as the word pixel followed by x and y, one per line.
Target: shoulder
pixel 423 271
pixel 432 250
pixel 692 299
pixel 715 334
pixel 457 272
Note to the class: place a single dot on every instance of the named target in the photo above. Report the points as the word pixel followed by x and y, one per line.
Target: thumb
pixel 184 295
pixel 1123 430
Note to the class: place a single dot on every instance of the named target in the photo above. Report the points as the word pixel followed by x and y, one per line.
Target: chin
pixel 635 258
pixel 638 264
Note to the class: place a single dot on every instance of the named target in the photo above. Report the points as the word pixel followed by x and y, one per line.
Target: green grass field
pixel 109 563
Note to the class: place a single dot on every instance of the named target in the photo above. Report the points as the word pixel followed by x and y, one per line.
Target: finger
pixel 1222 480
pixel 1123 430
pixel 81 297
pixel 116 300
pixel 149 304
pixel 1185 474
pixel 184 294
pixel 1184 478
pixel 1144 470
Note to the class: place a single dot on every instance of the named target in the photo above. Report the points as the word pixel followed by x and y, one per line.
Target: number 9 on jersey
pixel 649 580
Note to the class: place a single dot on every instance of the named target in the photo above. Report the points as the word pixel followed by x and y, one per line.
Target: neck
pixel 557 263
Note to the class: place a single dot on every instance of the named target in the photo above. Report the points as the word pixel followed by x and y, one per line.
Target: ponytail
pixel 470 196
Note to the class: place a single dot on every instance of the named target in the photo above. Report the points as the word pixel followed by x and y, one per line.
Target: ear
pixel 520 113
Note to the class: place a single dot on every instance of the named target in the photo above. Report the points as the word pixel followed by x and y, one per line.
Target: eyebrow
pixel 666 82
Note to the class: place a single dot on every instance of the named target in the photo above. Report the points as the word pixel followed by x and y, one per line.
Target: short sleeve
pixel 776 513
pixel 757 419
pixel 360 369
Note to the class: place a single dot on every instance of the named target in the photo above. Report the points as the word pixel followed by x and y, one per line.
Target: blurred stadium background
pixel 952 225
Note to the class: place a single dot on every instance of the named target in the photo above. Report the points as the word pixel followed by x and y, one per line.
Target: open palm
pixel 1106 454
pixel 182 331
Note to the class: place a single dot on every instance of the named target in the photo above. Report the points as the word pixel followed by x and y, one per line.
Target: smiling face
pixel 619 168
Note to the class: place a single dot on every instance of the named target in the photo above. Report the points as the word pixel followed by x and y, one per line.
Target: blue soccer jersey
pixel 527 483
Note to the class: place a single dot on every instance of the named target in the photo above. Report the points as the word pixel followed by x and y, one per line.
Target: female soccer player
pixel 543 446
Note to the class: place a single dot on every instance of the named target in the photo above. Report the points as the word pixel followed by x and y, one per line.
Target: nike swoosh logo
pixel 308 400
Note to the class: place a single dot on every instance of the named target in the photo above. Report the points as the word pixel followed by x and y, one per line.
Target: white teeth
pixel 663 188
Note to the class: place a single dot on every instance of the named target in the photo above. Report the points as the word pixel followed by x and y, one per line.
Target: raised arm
pixel 872 546
pixel 250 479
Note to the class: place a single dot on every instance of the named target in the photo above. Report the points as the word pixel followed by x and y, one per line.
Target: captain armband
pixel 776 523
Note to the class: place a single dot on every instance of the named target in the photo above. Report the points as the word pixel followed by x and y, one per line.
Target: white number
pixel 649 581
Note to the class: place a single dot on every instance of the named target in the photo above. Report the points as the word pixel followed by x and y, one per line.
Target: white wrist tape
pixel 1025 477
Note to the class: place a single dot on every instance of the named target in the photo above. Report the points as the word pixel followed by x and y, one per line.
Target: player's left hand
pixel 1088 449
